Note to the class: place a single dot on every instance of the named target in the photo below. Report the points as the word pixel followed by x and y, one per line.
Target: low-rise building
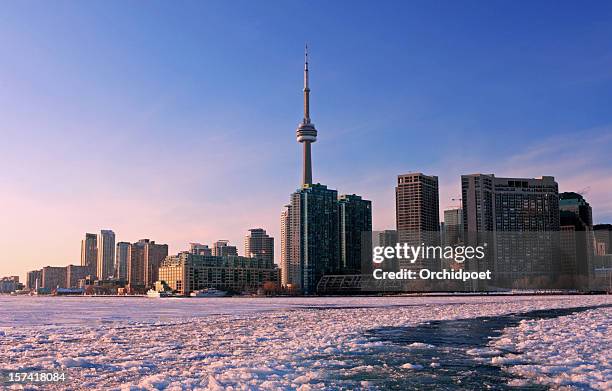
pixel 9 284
pixel 187 272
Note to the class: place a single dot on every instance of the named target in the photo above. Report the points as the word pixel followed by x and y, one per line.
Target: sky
pixel 175 121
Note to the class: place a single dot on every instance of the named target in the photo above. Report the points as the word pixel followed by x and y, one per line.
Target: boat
pixel 210 292
pixel 154 293
pixel 161 290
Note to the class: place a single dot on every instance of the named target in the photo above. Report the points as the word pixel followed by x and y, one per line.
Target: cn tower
pixel 306 132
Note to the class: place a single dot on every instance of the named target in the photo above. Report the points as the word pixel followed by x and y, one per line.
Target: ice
pixel 568 351
pixel 283 343
pixel 412 366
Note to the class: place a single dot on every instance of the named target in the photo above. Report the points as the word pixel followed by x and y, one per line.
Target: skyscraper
pixel 257 244
pixel 603 236
pixel 315 249
pixel 106 254
pixel 121 260
pixel 89 252
pixel 453 226
pixel 521 217
pixel 355 224
pixel 222 248
pixel 287 267
pixel 417 212
pixel 144 258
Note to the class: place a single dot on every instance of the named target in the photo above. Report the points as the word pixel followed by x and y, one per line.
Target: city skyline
pixel 369 134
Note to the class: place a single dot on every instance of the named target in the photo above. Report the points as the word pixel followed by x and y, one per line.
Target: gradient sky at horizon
pixel 175 121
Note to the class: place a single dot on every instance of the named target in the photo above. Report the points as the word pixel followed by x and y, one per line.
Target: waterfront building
pixel 89 252
pixel 258 244
pixel 106 254
pixel 288 268
pixel 519 218
pixel 121 260
pixel 186 272
pixel 355 225
pixel 9 284
pixel 453 226
pixel 603 237
pixel 417 215
pixel 144 258
pixel 34 279
pixel 53 277
pixel 74 274
pixel 314 241
pixel 577 240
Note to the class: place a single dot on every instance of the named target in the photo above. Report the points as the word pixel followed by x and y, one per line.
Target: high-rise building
pixel 603 237
pixel 89 252
pixel 311 223
pixel 199 249
pixel 34 279
pixel 573 206
pixel 106 255
pixel 355 224
pixel 74 274
pixel 121 260
pixel 288 270
pixel 222 248
pixel 314 236
pixel 577 240
pixel 53 277
pixel 453 226
pixel 144 258
pixel 257 244
pixel 417 215
pixel 521 217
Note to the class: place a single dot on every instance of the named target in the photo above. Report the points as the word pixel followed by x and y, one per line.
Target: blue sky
pixel 176 120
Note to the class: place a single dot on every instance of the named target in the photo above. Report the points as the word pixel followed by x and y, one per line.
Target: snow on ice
pixel 281 343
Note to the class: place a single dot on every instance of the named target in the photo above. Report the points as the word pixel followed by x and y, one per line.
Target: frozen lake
pixel 311 343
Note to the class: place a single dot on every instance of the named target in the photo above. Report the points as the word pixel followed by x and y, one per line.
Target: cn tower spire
pixel 306 132
pixel 306 89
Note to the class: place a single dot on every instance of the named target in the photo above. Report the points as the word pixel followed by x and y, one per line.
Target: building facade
pixel 519 217
pixel 122 253
pixel 106 255
pixel 287 267
pixel 453 226
pixel 199 249
pixel 222 248
pixel 34 279
pixel 258 244
pixel 355 225
pixel 89 252
pixel 315 242
pixel 187 272
pixel 74 274
pixel 144 258
pixel 577 240
pixel 53 277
